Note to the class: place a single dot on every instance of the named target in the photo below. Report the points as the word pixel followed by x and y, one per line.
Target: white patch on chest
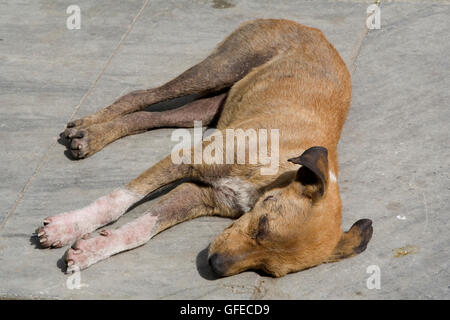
pixel 235 193
pixel 333 177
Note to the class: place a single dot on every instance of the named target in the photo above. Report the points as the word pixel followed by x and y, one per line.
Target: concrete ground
pixel 394 149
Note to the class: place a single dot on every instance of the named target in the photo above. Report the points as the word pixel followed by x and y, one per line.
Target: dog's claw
pixel 73 133
pixel 40 232
pixel 46 222
pixel 56 244
pixel 105 233
pixel 75 123
pixel 71 268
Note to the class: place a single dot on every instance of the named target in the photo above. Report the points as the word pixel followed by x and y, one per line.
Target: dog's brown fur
pixel 284 76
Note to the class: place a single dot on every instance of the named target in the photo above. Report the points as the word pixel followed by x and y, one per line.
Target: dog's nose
pixel 218 264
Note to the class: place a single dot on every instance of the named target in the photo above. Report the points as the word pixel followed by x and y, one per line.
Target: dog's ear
pixel 313 174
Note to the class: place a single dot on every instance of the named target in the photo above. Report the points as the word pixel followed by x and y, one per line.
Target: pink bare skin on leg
pixel 65 228
pixel 183 203
pixel 86 252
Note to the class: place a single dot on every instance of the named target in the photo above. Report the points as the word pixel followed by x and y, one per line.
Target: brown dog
pixel 268 74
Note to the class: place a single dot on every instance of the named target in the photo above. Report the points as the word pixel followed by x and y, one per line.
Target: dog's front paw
pixel 58 231
pixel 87 251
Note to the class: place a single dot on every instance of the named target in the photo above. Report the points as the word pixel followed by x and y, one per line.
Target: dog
pixel 267 74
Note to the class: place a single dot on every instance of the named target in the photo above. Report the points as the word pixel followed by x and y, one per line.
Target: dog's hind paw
pixel 85 141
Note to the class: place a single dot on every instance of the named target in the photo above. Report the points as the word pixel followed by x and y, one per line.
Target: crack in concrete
pixel 357 47
pixel 259 292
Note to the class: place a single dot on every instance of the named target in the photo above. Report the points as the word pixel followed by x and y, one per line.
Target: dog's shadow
pixel 34 241
pixel 203 267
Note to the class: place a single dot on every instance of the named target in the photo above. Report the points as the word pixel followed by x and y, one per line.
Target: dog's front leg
pixel 65 228
pixel 187 201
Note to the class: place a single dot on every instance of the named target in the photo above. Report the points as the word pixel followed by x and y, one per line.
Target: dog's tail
pixel 354 241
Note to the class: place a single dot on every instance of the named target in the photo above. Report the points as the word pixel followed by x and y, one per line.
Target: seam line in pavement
pixel 91 87
pixel 357 49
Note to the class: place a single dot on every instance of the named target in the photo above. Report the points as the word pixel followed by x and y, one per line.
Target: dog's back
pixel 304 90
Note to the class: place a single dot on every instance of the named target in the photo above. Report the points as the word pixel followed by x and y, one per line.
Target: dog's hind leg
pixel 84 142
pixel 227 64
pixel 185 202
pixel 249 46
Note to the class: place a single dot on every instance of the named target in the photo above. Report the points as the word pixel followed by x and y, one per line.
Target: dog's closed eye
pixel 269 198
pixel 263 227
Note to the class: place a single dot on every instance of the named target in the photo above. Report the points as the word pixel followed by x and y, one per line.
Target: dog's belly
pixel 235 194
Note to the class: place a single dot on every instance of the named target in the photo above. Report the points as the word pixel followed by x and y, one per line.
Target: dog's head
pixel 287 229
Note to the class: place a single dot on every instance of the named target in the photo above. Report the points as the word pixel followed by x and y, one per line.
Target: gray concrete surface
pixel 393 154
